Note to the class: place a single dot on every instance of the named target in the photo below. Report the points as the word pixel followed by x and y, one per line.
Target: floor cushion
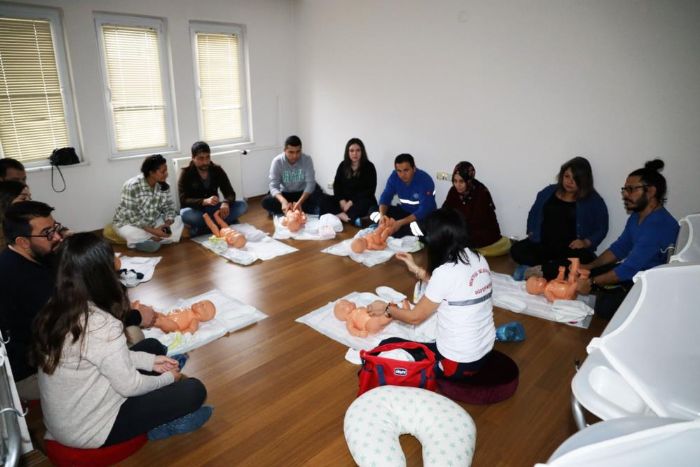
pixel 110 234
pixel 64 456
pixel 496 381
pixel 499 248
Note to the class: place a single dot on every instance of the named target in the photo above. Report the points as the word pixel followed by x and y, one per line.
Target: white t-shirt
pixel 465 329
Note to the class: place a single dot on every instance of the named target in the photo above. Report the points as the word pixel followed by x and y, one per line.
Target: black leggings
pixel 532 254
pixel 139 414
pixel 361 207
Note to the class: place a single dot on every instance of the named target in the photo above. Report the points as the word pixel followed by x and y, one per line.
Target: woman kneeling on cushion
pixel 95 391
pixel 472 199
pixel 459 290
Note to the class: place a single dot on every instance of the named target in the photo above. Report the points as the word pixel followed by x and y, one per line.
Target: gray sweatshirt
pixel 82 397
pixel 290 178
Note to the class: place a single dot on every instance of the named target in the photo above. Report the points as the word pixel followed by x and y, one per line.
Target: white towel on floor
pixel 369 258
pixel 231 315
pixel 142 264
pixel 511 295
pixel 259 246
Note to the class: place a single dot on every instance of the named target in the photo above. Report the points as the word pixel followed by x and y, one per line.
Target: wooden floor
pixel 280 389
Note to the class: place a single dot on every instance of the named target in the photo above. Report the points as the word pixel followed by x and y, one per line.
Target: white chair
pixel 637 441
pixel 647 361
pixel 688 243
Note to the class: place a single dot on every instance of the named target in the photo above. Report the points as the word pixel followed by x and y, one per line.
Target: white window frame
pixel 159 24
pixel 240 31
pixel 55 19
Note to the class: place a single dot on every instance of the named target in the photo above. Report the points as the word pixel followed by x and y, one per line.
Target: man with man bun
pixel 644 243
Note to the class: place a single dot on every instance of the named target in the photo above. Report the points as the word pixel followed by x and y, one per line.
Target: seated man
pixel 416 193
pixel 292 181
pixel 199 186
pixel 146 217
pixel 12 170
pixel 27 280
pixel 648 234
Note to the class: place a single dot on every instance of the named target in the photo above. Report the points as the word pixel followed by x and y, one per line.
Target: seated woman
pixel 11 192
pixel 568 220
pixel 459 290
pixel 94 390
pixel 146 216
pixel 471 198
pixel 354 185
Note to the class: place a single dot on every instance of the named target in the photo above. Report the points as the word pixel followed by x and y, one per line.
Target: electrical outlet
pixel 443 176
pixel 329 186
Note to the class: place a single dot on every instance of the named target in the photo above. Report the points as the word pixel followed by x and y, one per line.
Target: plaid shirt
pixel 142 206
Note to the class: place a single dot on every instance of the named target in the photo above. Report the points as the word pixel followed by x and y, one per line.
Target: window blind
pixel 219 69
pixel 32 111
pixel 138 105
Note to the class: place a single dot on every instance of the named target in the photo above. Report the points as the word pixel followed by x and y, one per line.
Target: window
pixel 137 85
pixel 220 73
pixel 36 106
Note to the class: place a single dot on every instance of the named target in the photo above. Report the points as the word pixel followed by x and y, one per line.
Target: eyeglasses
pixel 629 189
pixel 50 232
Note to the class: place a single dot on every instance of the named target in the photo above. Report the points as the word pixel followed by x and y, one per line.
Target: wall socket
pixel 443 176
pixel 330 186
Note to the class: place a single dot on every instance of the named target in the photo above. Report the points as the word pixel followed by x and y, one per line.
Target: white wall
pixel 516 87
pixel 93 189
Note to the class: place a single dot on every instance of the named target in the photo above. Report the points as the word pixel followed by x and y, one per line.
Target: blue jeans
pixel 193 217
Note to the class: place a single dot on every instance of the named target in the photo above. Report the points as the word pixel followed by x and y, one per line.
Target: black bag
pixel 62 156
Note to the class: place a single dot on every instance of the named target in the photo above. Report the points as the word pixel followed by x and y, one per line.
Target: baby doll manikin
pixel 233 237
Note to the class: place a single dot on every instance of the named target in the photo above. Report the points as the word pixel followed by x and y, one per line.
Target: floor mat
pixel 259 246
pixel 231 315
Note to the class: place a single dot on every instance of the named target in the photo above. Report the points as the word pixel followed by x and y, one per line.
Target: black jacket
pixel 193 192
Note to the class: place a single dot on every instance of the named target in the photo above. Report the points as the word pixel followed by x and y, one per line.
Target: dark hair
pixel 293 141
pixel 446 238
pixel 401 158
pixel 347 163
pixel 85 274
pixel 9 190
pixel 650 176
pixel 582 173
pixel 9 163
pixel 152 163
pixel 200 147
pixel 462 169
pixel 18 215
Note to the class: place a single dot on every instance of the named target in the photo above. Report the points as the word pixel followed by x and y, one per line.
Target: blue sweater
pixel 417 198
pixel 643 246
pixel 591 217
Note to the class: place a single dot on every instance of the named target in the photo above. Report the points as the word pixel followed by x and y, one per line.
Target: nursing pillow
pixel 376 419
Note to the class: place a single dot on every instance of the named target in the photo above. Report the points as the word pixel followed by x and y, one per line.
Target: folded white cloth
pixel 330 220
pixel 259 247
pixel 398 354
pixel 570 311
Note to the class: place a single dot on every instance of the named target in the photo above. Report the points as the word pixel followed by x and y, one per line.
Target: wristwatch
pixel 387 313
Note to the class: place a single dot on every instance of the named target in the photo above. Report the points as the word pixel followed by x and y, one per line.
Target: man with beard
pixel 644 244
pixel 27 279
pixel 26 282
pixel 199 186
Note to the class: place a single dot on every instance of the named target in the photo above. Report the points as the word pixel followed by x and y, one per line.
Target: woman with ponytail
pixel 458 290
